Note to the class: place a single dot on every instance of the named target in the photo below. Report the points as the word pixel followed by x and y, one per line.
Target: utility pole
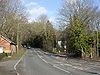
pixel 18 37
pixel 97 40
pixel 45 35
pixel 18 17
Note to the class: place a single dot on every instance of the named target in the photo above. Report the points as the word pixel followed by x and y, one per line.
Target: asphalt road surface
pixel 36 62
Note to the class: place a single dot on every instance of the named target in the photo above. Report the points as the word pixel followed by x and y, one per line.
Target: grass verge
pixel 14 56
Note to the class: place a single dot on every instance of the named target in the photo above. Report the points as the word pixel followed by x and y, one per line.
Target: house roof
pixel 7 39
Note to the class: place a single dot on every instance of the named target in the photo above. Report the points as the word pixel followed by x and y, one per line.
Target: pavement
pixel 7 67
pixel 37 62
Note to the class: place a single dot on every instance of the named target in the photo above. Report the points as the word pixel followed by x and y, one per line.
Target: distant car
pixel 28 47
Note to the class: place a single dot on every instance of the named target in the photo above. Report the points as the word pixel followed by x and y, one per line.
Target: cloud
pixel 30 20
pixel 52 19
pixel 72 1
pixel 32 4
pixel 37 11
pixel 23 1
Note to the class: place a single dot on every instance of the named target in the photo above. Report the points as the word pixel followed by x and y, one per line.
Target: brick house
pixel 7 45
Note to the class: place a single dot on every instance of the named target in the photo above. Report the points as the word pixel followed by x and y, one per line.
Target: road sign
pixel 7 51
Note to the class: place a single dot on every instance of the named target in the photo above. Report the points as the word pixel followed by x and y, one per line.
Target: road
pixel 36 62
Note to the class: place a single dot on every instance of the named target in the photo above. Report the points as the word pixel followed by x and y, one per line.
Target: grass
pixel 14 56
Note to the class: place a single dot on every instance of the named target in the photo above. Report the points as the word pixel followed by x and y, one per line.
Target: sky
pixel 38 7
pixel 48 7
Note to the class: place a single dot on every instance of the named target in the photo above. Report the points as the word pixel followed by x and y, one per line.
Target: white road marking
pixel 41 57
pixel 48 62
pixel 60 69
pixel 74 66
pixel 19 62
pixel 78 68
pixel 58 62
pixel 40 52
pixel 99 73
pixel 68 65
pixel 77 64
pixel 62 64
pixel 45 61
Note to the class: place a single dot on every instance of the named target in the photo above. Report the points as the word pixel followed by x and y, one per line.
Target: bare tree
pixel 13 17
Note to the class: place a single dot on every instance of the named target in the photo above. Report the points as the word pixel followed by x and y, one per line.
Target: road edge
pixel 18 63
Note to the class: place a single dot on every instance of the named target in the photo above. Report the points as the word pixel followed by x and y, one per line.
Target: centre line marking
pixel 60 69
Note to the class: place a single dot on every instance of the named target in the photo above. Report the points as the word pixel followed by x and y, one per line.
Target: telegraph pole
pixel 18 31
pixel 18 37
pixel 45 34
pixel 97 40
